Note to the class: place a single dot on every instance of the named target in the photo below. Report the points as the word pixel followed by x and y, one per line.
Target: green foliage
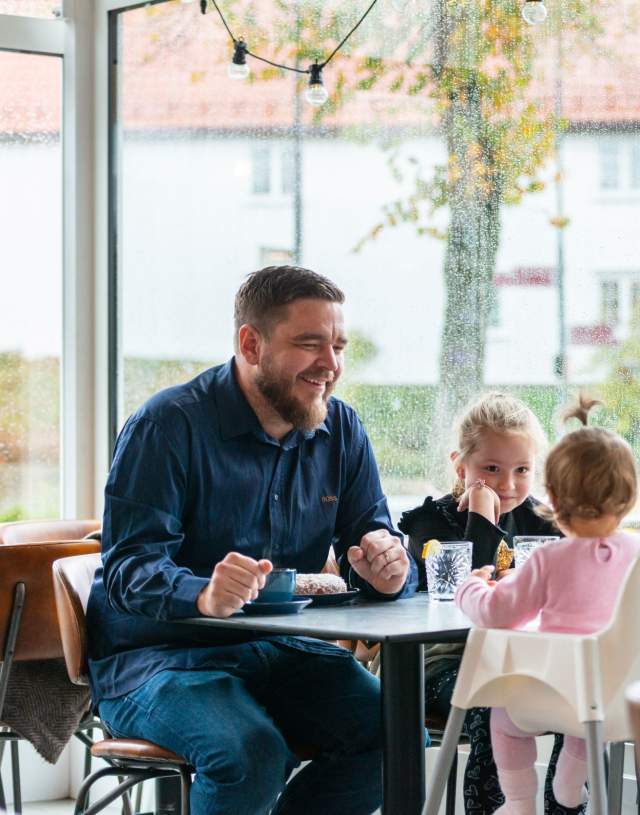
pixel 144 377
pixel 15 513
pixel 621 388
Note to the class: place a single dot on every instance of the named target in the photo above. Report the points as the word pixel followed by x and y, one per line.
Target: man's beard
pixel 280 397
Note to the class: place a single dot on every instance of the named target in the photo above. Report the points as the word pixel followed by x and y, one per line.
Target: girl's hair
pixel 590 472
pixel 499 413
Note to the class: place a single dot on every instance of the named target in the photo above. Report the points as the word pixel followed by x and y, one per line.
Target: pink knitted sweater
pixel 572 583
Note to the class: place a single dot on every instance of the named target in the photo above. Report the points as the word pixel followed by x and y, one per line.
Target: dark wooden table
pixel 402 627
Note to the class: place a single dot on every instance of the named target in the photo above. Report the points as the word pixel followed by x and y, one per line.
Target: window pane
pixel 419 189
pixel 31 8
pixel 610 302
pixel 288 170
pixel 609 165
pixel 30 259
pixel 261 170
pixel 635 164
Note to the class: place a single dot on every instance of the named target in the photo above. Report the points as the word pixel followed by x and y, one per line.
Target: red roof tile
pixel 175 77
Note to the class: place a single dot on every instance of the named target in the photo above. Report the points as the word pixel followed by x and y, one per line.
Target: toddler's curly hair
pixel 591 471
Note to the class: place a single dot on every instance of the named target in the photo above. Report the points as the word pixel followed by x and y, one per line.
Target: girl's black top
pixel 439 518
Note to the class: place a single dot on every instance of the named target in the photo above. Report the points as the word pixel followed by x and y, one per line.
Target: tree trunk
pixel 474 227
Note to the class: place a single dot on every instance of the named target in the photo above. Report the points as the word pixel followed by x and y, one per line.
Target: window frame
pixel 70 38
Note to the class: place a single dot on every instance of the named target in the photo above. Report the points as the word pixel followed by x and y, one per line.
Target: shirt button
pixel 276 497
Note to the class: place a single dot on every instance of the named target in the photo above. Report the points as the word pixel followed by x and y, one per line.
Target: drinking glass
pixel 448 569
pixel 525 544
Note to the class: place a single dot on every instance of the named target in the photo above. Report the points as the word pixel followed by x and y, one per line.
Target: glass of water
pixel 447 568
pixel 525 544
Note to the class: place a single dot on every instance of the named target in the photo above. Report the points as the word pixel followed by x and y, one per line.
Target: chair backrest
pixel 30 564
pixel 619 642
pixel 39 531
pixel 73 577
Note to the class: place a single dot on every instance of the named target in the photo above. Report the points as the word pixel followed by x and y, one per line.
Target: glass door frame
pixel 70 37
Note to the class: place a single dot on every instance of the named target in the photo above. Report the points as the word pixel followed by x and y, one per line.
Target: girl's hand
pixel 485 573
pixel 481 499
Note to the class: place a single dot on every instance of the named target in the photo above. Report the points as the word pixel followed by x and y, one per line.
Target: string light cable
pixel 316 94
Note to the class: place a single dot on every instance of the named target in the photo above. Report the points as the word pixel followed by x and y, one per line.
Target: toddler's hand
pixel 481 499
pixel 485 573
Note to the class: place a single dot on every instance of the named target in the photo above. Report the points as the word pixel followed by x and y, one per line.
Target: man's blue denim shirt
pixel 194 476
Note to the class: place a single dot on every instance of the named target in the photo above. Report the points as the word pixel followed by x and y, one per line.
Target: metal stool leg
pixel 448 749
pixel 15 771
pixel 87 755
pixel 3 800
pixel 450 806
pixel 616 770
pixel 138 800
pixel 185 792
pixel 595 762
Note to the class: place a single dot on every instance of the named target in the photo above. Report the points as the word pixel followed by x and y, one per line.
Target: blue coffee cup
pixel 280 586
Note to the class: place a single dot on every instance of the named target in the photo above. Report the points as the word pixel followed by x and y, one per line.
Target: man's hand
pixel 481 499
pixel 381 560
pixel 235 581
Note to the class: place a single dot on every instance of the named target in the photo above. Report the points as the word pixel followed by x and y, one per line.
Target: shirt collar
pixel 237 417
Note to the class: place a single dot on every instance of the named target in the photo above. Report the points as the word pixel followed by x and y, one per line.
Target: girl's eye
pixel 523 470
pixel 491 468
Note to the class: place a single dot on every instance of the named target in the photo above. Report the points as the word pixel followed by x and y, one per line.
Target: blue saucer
pixel 289 607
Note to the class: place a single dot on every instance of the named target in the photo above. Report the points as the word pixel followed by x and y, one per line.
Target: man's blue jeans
pixel 233 722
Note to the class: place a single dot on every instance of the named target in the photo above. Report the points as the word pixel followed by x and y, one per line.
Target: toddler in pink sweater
pixel 572 584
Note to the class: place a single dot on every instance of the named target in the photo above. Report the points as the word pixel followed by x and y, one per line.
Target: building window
pixel 288 170
pixel 609 302
pixel 275 257
pixel 609 165
pixel 261 170
pixel 635 164
pixel 494 307
pixel 634 300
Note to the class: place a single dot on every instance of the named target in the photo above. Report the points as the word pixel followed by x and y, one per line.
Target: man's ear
pixel 459 467
pixel 249 341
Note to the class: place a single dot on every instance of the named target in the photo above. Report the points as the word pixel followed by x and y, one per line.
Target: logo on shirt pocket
pixel 329 499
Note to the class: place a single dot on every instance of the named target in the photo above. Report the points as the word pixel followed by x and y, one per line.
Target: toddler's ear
pixel 552 500
pixel 459 467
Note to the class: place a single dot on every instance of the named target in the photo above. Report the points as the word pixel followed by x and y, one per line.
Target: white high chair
pixel 564 683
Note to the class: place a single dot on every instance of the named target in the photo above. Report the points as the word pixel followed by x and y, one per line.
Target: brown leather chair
pixel 40 531
pixel 134 760
pixel 28 621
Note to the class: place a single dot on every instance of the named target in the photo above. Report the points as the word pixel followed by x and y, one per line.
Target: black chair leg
pixel 15 771
pixel 185 792
pixel 3 800
pixel 87 755
pixel 450 805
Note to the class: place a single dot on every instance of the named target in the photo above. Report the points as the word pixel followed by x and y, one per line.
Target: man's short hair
pixel 264 295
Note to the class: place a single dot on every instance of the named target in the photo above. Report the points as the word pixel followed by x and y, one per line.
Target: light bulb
pixel 316 94
pixel 534 11
pixel 238 71
pixel 238 68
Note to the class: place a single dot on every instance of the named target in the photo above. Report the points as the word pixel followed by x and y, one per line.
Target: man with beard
pixel 249 464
